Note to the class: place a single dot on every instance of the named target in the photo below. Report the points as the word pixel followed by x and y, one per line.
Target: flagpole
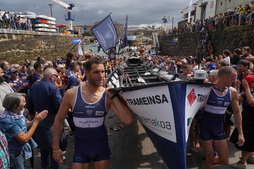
pixel 189 11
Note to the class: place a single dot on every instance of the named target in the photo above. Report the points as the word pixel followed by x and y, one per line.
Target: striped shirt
pixel 4 153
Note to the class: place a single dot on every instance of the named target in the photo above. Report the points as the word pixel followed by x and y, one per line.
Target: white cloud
pixel 100 12
pixel 147 12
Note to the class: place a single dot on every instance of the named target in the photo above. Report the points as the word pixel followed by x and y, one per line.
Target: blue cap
pixel 12 70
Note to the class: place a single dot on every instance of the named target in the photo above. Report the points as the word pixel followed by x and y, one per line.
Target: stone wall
pixel 229 38
pixel 15 45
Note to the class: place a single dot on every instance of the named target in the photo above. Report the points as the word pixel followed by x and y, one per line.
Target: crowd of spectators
pixel 69 72
pixel 12 21
pixel 241 15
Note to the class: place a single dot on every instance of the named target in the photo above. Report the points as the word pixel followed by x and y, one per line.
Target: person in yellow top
pixel 241 11
pixel 222 20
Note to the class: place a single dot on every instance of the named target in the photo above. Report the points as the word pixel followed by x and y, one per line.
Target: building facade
pixel 203 9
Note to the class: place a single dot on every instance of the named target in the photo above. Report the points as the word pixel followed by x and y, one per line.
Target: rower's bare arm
pixel 120 109
pixel 237 115
pixel 250 58
pixel 61 115
pixel 203 105
pixel 249 96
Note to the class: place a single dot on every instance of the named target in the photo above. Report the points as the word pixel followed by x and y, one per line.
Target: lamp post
pixel 173 22
pixel 50 6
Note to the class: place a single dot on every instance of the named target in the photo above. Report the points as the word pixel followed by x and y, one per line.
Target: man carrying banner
pixel 89 103
pixel 211 126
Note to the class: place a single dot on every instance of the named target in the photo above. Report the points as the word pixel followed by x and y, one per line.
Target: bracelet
pixel 55 151
pixel 112 97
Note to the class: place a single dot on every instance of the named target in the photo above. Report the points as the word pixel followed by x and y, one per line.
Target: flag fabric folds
pixel 123 40
pixel 106 33
pixel 80 52
pixel 76 41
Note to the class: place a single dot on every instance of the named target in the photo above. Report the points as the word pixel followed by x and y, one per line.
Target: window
pixel 229 1
pixel 221 3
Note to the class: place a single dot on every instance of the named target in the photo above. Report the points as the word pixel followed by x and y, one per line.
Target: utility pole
pixel 172 23
pixel 50 6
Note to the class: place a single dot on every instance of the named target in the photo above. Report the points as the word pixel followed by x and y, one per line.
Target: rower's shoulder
pixel 233 91
pixel 71 91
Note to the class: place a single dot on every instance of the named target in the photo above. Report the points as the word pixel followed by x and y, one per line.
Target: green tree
pixel 87 34
pixel 136 33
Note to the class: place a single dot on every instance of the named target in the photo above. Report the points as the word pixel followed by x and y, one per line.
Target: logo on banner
pixel 226 103
pixel 155 122
pixel 89 112
pixel 99 113
pixel 219 102
pixel 202 98
pixel 149 100
pixel 108 35
pixel 191 97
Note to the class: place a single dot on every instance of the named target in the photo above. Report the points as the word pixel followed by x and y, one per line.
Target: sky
pixel 140 12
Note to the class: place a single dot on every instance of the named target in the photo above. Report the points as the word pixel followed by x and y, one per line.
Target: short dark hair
pixel 185 66
pixel 69 55
pixel 80 63
pixel 247 48
pixel 225 71
pixel 37 64
pixel 93 61
pixel 244 62
pixel 224 63
pixel 209 59
pixel 2 64
pixel 197 61
pixel 48 66
pixel 73 65
pixel 238 51
pixel 226 52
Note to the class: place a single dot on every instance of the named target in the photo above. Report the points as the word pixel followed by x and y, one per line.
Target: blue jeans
pixel 17 161
pixel 46 159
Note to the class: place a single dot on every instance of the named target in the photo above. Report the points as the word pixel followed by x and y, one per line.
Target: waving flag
pixel 76 41
pixel 80 52
pixel 106 33
pixel 123 40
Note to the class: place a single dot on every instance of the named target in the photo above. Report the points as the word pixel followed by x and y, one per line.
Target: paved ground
pixel 132 149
